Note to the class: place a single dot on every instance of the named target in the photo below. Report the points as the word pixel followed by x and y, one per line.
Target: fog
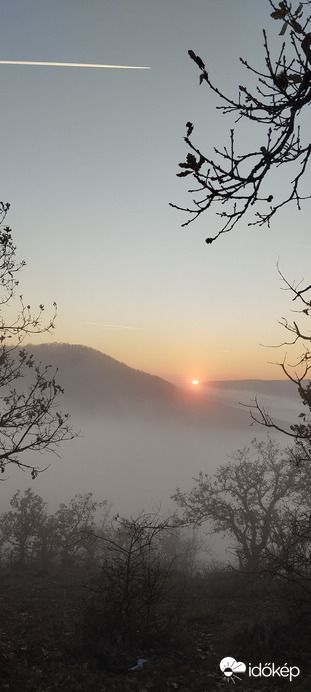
pixel 139 442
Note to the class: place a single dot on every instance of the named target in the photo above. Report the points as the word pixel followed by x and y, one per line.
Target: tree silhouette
pixel 29 417
pixel 248 499
pixel 297 372
pixel 237 182
pixel 21 526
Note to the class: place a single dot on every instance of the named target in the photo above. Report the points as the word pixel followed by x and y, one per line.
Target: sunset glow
pixel 195 382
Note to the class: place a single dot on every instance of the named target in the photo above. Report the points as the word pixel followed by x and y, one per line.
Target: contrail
pixel 71 64
pixel 111 326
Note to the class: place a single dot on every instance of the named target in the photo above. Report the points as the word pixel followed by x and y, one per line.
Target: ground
pixel 42 650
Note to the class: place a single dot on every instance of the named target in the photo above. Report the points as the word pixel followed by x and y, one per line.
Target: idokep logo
pixel 270 670
pixel 230 667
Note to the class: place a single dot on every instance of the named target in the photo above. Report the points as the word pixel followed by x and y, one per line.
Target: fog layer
pixel 141 436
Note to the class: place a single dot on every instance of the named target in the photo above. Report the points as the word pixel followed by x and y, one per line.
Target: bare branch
pixel 29 415
pixel 233 183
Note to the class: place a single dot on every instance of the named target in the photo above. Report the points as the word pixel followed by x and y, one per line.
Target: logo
pixel 230 667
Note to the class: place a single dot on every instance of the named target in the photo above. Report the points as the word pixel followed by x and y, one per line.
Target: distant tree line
pixel 84 533
pixel 133 571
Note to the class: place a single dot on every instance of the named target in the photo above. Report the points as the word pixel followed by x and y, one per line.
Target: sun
pixel 195 382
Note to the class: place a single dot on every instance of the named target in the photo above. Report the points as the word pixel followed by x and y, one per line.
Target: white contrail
pixel 111 326
pixel 71 64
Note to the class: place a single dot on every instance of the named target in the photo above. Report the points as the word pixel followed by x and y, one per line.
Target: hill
pixel 94 381
pixel 96 384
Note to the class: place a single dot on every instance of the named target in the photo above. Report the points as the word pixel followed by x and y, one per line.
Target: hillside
pixel 94 381
pixel 96 384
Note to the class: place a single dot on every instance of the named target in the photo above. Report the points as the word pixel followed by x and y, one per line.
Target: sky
pixel 89 161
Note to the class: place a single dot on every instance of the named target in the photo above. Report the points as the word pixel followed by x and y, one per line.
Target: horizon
pixel 188 382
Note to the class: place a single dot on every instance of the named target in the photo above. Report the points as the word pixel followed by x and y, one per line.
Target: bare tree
pixel 247 499
pixel 138 590
pixel 296 371
pixel 30 420
pixel 236 182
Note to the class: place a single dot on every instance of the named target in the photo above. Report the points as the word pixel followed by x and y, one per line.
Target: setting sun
pixel 195 381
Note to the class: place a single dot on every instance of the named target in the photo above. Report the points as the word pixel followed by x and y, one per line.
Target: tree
pixel 249 499
pixel 20 527
pixel 239 182
pixel 75 527
pixel 137 591
pixel 298 372
pixel 29 535
pixel 29 417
